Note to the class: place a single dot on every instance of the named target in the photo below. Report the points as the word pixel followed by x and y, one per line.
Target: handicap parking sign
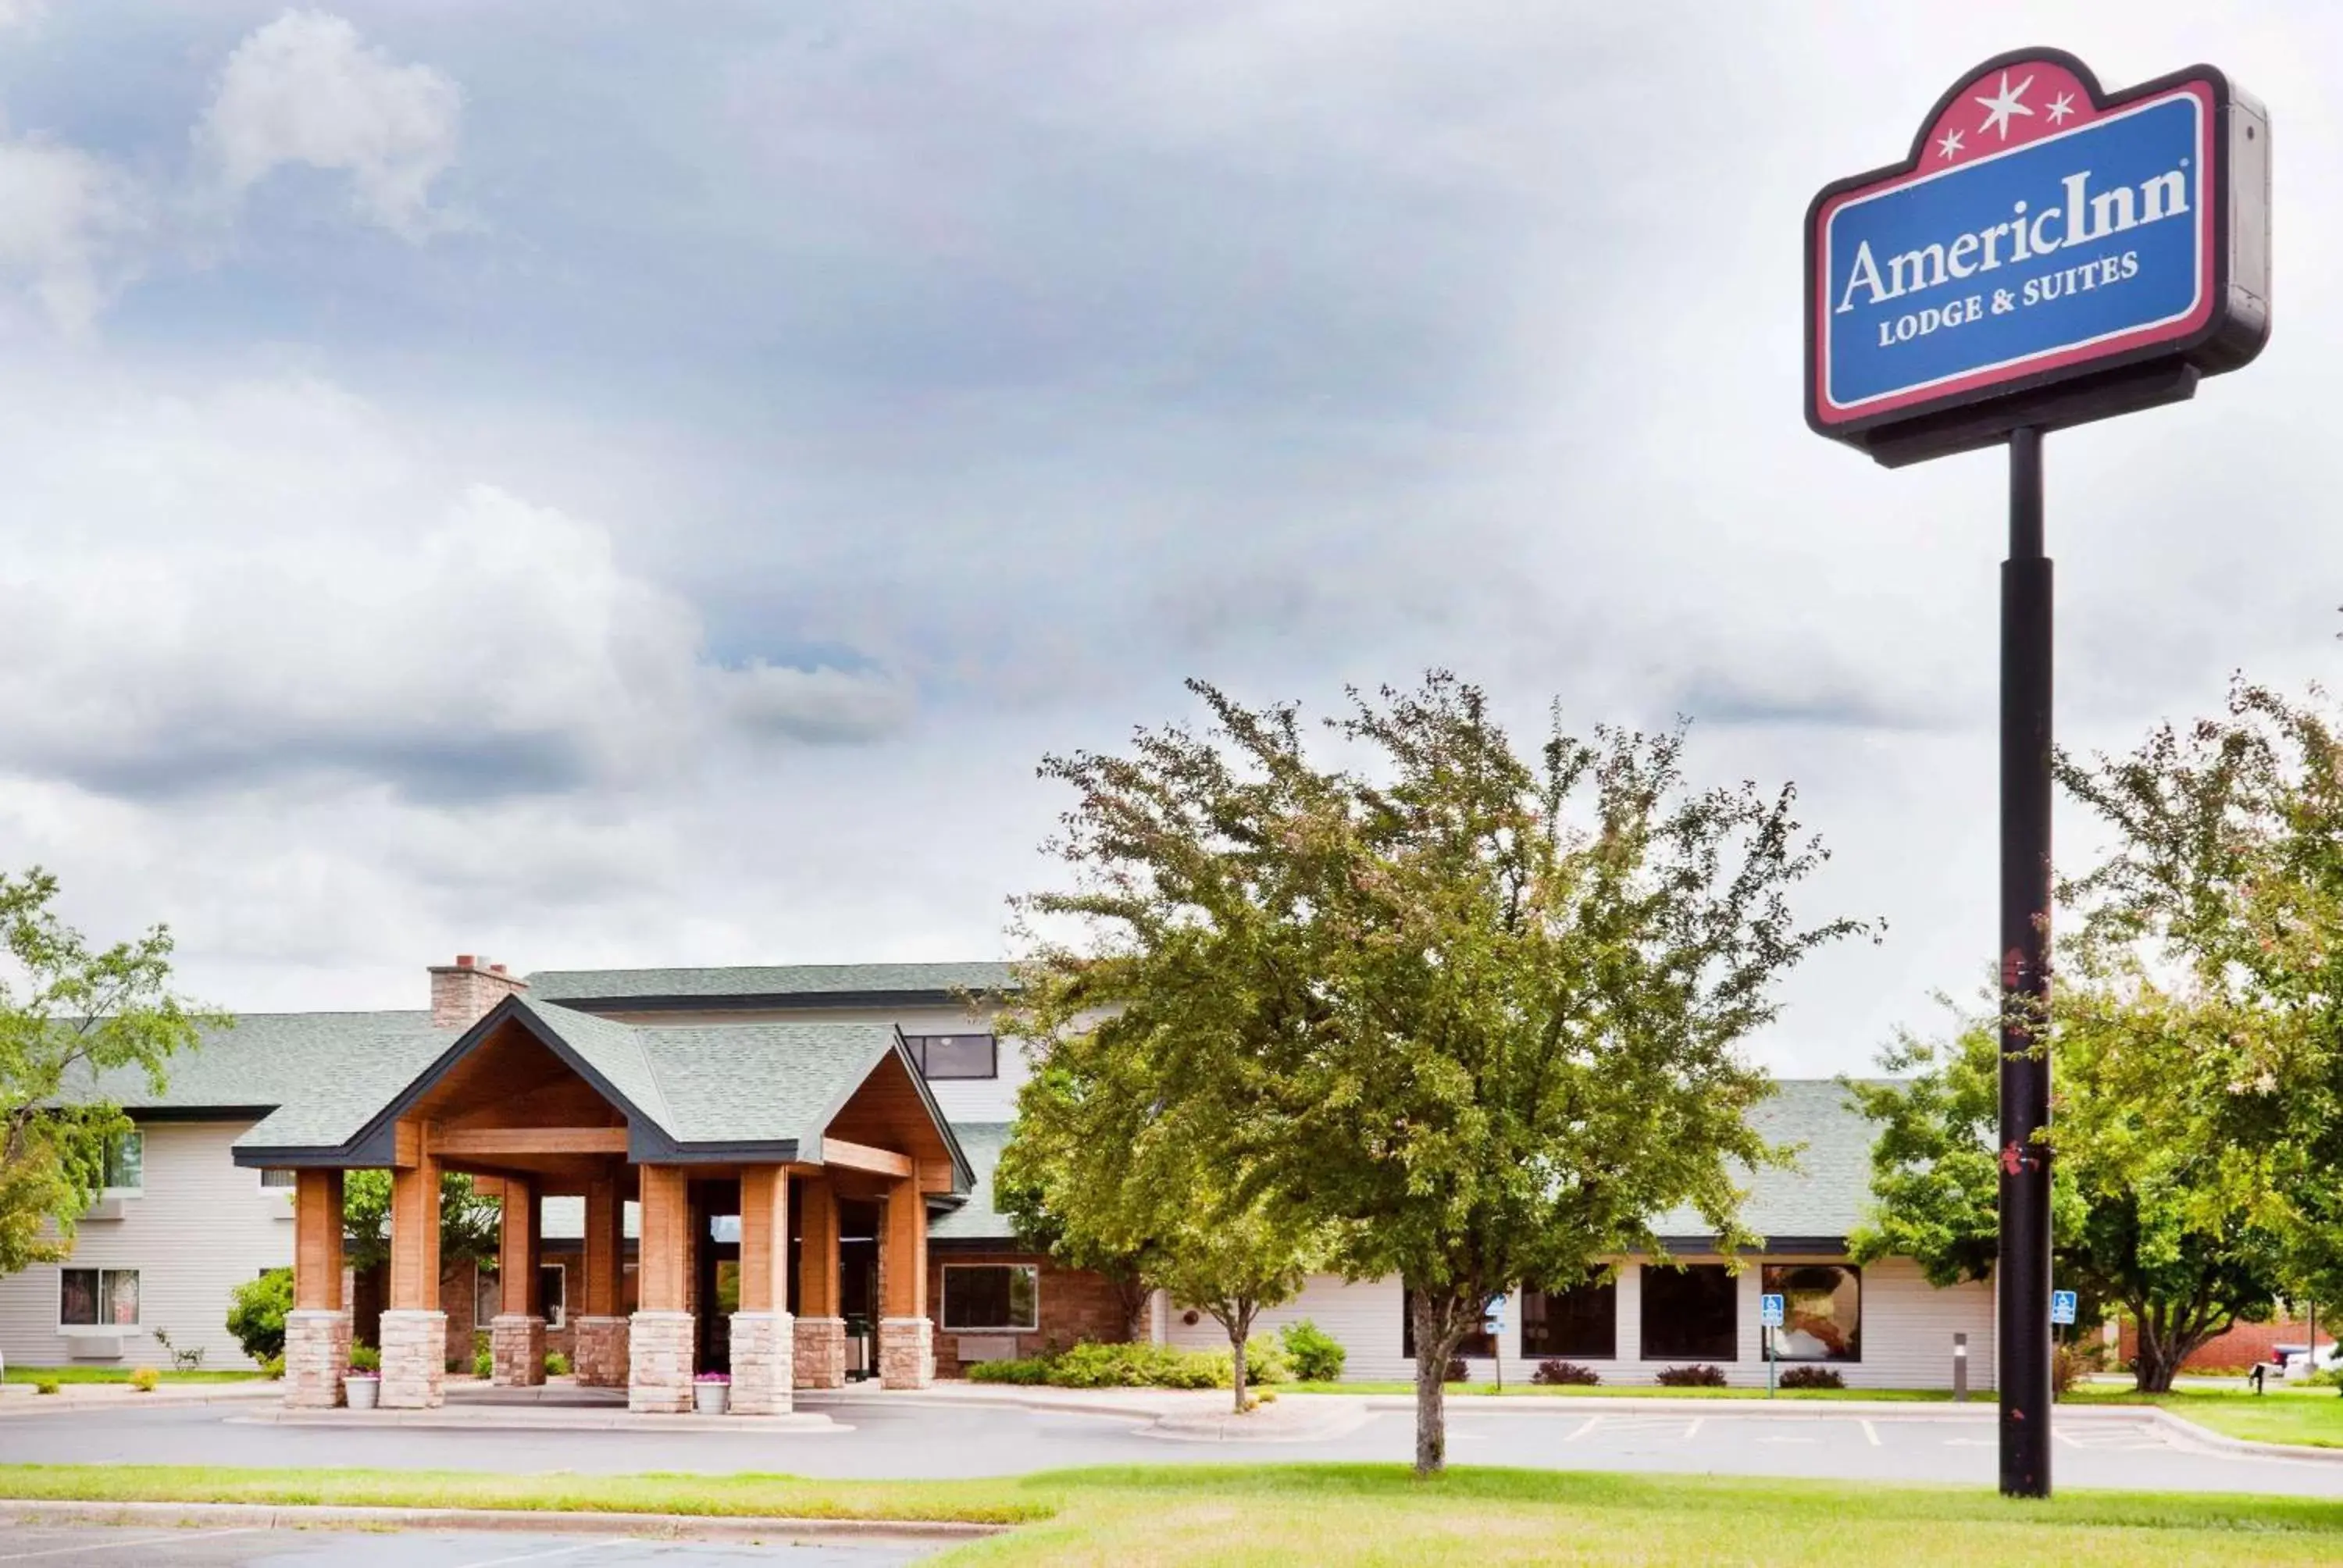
pixel 1769 1311
pixel 2062 1306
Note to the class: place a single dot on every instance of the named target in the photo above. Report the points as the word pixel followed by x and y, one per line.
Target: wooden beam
pixel 904 1285
pixel 935 1176
pixel 415 1232
pixel 406 1144
pixel 605 1247
pixel 665 1250
pixel 817 1251
pixel 764 1239
pixel 475 1142
pixel 516 1251
pixel 317 1241
pixel 862 1157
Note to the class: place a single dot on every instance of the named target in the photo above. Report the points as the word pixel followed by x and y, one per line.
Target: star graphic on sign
pixel 2004 104
pixel 1951 146
pixel 2060 108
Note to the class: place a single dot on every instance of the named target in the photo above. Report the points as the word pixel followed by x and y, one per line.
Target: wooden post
pixel 764 1239
pixel 516 1251
pixel 317 1241
pixel 906 1268
pixel 605 1248
pixel 414 1233
pixel 817 1252
pixel 664 1260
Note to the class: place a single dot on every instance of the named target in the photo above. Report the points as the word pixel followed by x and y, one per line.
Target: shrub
pixel 1457 1371
pixel 1266 1360
pixel 146 1380
pixel 1812 1377
pixel 484 1365
pixel 364 1358
pixel 483 1342
pixel 1032 1370
pixel 1317 1355
pixel 1091 1365
pixel 46 1385
pixel 256 1313
pixel 2070 1364
pixel 556 1364
pixel 1556 1374
pixel 274 1368
pixel 1700 1374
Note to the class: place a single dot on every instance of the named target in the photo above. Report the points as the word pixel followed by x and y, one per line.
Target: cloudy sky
pixel 602 484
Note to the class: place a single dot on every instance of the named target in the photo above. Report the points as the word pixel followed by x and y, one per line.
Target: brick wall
pixel 2242 1345
pixel 1075 1305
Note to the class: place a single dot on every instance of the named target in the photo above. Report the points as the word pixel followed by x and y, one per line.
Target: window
pixel 1582 1321
pixel 1479 1342
pixel 553 1293
pixel 97 1298
pixel 276 1178
pixel 955 1055
pixel 125 1164
pixel 979 1296
pixel 1822 1311
pixel 1689 1314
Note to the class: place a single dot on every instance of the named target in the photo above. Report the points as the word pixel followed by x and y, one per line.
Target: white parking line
pixel 139 1541
pixel 1872 1432
pixel 537 1556
pixel 1592 1423
pixel 1694 1429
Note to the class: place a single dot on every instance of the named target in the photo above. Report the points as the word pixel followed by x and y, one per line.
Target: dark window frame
pixel 917 1045
pixel 1770 1275
pixel 1719 1289
pixel 1596 1284
pixel 1032 1270
pixel 554 1302
pixel 98 1296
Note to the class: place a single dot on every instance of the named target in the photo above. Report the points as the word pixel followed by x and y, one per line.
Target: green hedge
pixel 1089 1365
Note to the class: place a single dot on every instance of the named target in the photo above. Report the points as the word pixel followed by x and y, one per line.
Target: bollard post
pixel 1960 1369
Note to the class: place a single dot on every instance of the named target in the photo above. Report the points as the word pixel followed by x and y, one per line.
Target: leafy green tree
pixel 1473 1014
pixel 1040 1161
pixel 2152 1208
pixel 469 1224
pixel 75 1023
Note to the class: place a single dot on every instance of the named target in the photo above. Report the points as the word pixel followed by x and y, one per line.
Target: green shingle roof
pixel 1825 1194
pixel 776 983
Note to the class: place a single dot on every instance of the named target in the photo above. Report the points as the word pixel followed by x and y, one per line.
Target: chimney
pixel 466 991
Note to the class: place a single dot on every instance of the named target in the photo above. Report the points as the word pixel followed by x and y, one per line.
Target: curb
pixel 2206 1437
pixel 543 1418
pixel 53 1404
pixel 284 1516
pixel 1139 1413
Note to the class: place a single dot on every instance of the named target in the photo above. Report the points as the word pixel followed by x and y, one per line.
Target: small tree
pixel 1038 1162
pixel 74 1024
pixel 1229 1266
pixel 256 1313
pixel 1473 1016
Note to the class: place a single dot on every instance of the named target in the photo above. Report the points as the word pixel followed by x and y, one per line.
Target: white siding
pixel 201 1227
pixel 962 1099
pixel 1908 1331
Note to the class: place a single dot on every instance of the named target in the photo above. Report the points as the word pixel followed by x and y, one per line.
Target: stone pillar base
pixel 317 1354
pixel 658 1362
pixel 413 1360
pixel 517 1351
pixel 821 1353
pixel 764 1362
pixel 600 1357
pixel 907 1352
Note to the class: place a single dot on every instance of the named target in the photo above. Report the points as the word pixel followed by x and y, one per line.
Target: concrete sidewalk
pixel 23 1399
pixel 692 1526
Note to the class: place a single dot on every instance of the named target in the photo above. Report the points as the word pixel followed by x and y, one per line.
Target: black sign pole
pixel 2023 1279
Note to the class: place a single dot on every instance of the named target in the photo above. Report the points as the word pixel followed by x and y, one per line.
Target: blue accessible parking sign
pixel 2062 1306
pixel 1769 1311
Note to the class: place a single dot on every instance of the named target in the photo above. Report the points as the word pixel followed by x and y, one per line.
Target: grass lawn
pixel 1360 1514
pixel 117 1375
pixel 2312 1417
pixel 1625 1390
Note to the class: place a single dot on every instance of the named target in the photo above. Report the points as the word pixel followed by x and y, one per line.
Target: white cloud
pixel 69 226
pixel 26 13
pixel 308 89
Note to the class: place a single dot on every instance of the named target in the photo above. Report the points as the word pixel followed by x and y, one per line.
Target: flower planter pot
pixel 711 1398
pixel 362 1392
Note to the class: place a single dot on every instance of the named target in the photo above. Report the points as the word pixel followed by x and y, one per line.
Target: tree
pixel 2152 1209
pixel 1474 1015
pixel 1036 1164
pixel 470 1225
pixel 256 1313
pixel 76 1027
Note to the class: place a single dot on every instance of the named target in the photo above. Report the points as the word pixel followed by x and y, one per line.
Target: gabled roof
pixel 318 1075
pixel 768 986
pixel 977 1219
pixel 706 1094
pixel 1823 1198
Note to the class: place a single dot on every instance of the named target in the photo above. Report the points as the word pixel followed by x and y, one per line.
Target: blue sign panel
pixel 2041 232
pixel 2062 1306
pixel 1769 1311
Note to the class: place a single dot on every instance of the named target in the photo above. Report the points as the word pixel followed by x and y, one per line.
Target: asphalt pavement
pixel 899 1437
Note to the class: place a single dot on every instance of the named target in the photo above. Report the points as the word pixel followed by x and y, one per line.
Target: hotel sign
pixel 2048 254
